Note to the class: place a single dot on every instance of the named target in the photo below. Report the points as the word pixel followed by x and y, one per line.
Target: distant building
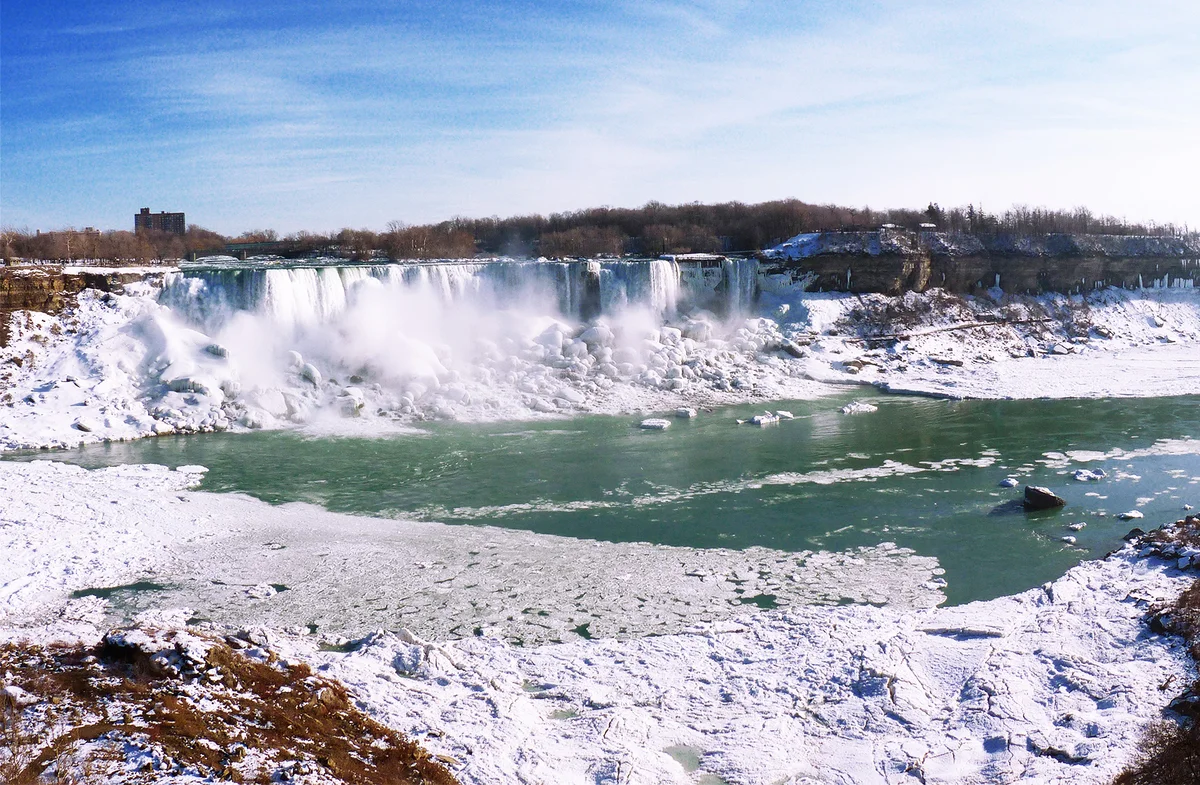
pixel 162 222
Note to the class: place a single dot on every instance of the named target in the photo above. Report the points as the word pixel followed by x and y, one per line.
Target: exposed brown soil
pixel 113 713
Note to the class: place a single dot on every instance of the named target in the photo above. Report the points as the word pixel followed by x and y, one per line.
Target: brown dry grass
pixel 240 724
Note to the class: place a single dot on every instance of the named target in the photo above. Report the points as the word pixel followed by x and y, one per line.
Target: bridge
pixel 244 250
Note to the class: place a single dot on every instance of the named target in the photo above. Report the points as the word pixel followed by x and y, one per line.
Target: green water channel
pixel 918 472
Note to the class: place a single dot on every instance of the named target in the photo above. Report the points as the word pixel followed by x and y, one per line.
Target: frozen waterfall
pixel 305 295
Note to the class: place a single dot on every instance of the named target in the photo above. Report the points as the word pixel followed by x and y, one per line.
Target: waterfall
pixel 305 295
pixel 664 286
pixel 741 283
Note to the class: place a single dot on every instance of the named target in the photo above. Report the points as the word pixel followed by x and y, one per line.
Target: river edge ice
pixel 1051 685
pixel 71 531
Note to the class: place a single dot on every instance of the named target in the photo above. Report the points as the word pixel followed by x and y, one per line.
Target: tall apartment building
pixel 161 221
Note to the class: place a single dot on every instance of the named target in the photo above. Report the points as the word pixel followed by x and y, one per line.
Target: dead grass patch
pixel 231 717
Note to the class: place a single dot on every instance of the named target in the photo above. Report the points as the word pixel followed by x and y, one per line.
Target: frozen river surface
pixel 922 474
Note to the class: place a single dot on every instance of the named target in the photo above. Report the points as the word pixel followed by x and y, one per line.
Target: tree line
pixel 653 229
pixel 77 245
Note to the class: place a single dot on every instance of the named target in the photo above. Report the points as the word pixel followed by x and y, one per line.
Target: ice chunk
pixel 571 394
pixel 598 335
pixel 261 591
pixel 309 371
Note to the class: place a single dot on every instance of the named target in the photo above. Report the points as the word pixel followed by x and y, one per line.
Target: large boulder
pixel 1040 498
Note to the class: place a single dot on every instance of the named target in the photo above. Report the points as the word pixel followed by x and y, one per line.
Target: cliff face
pixel 50 290
pixel 895 261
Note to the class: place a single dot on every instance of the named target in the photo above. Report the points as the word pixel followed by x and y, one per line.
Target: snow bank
pixel 1054 685
pixel 1112 343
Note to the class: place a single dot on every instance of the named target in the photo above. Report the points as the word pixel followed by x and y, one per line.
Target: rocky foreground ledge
pixel 1058 684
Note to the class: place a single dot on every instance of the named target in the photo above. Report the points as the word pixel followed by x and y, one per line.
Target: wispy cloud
pixel 359 118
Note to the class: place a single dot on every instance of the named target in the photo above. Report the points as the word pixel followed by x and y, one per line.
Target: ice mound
pixel 268 348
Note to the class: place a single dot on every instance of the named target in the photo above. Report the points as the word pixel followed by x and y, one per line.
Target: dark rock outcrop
pixel 50 290
pixel 1039 498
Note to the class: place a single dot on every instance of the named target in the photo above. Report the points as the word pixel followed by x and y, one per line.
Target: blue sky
pixel 292 115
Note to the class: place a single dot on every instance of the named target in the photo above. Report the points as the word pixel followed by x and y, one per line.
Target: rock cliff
pixel 893 261
pixel 50 289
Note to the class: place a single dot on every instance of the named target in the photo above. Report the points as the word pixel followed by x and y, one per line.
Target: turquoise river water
pixel 918 472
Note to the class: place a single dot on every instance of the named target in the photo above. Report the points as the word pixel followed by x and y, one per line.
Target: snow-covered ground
pixel 1052 685
pixel 132 365
pixel 1110 343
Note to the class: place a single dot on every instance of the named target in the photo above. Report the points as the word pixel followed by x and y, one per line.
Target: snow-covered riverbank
pixel 1111 343
pixel 1053 685
pixel 128 366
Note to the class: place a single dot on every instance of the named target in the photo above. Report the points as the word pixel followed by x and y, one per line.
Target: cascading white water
pixel 664 286
pixel 741 283
pixel 427 338
pixel 309 295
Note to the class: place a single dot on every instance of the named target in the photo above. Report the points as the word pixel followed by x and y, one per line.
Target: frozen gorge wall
pixel 49 290
pixel 896 261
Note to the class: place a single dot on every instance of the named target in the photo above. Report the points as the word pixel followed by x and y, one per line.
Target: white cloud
pixel 887 103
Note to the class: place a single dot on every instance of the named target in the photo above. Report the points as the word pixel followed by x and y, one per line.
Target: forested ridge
pixel 652 229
